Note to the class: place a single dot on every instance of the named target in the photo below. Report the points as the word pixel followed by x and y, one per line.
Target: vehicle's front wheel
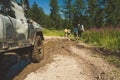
pixel 38 51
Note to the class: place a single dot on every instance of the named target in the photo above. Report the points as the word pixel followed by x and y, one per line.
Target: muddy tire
pixel 38 51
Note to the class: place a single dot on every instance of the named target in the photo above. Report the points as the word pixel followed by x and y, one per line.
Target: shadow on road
pixel 12 65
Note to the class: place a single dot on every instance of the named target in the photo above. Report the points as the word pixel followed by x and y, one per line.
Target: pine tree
pixel 96 13
pixel 54 15
pixel 67 10
pixel 37 14
pixel 112 12
pixel 78 13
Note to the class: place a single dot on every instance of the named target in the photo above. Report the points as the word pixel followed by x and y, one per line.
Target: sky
pixel 44 4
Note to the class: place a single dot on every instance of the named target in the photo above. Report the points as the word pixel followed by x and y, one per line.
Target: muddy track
pixel 68 60
pixel 51 47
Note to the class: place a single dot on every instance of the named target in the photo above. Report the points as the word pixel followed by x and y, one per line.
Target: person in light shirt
pixel 80 30
pixel 65 32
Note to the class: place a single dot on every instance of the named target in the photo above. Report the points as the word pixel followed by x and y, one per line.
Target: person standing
pixel 80 30
pixel 76 32
pixel 68 33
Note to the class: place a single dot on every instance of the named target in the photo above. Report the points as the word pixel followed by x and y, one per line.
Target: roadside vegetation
pixel 107 38
pixel 114 60
pixel 51 32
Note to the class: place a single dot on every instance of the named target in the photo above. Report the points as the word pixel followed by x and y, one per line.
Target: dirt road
pixel 69 60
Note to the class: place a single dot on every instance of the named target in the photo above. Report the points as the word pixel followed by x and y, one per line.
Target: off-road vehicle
pixel 18 35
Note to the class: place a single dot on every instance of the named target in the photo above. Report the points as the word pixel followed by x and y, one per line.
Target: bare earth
pixel 65 61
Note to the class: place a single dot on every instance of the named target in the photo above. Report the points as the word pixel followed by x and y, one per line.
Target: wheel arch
pixel 40 33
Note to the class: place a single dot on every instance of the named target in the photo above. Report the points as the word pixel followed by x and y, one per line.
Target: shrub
pixel 108 38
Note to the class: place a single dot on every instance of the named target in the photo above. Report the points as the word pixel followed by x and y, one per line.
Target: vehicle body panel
pixel 16 31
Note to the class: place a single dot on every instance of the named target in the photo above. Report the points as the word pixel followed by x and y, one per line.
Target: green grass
pixel 48 32
pixel 113 60
pixel 107 38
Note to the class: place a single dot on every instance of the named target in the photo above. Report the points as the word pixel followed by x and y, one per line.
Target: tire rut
pixel 88 65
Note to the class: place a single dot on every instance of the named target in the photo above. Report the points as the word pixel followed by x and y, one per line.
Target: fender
pixel 40 33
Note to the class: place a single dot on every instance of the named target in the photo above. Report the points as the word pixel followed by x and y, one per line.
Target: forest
pixel 101 19
pixel 90 13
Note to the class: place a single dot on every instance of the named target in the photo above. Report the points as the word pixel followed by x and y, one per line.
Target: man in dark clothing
pixel 76 32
